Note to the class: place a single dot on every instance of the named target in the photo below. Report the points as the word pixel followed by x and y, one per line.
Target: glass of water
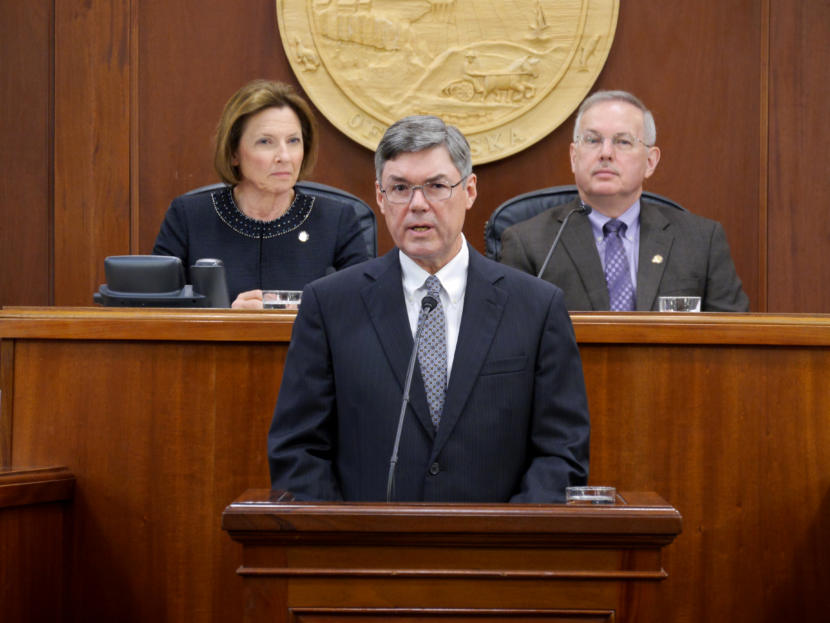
pixel 590 495
pixel 281 299
pixel 678 303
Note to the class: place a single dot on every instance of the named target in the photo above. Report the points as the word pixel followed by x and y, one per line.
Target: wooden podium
pixel 319 562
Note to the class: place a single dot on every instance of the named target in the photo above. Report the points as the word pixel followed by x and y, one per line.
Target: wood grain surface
pixel 723 416
pixel 440 562
pixel 35 544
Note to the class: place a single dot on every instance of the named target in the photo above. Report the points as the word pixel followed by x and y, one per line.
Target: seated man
pixel 497 409
pixel 628 251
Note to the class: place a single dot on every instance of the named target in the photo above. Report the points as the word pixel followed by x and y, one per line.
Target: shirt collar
pixel 453 276
pixel 631 218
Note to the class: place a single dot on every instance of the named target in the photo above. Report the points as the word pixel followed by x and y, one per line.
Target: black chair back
pixel 527 205
pixel 365 215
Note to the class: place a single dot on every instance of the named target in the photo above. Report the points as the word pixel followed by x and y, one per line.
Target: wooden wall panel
pixel 687 100
pixel 193 55
pixel 25 160
pixel 190 58
pixel 798 186
pixel 138 88
pixel 686 61
pixel 92 144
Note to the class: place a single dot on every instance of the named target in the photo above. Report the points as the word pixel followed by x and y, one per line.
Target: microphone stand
pixel 428 303
pixel 582 209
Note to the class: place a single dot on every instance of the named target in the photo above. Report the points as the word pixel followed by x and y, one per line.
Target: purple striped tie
pixel 617 273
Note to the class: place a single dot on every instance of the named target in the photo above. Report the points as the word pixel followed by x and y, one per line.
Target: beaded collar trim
pixel 227 210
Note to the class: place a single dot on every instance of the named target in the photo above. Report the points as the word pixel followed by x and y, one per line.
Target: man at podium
pixel 496 407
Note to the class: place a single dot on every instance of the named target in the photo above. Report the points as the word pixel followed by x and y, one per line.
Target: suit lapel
pixel 385 305
pixel 484 304
pixel 655 244
pixel 578 240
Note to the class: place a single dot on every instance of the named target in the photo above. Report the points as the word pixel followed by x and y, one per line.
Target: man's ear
pixel 471 189
pixel 652 159
pixel 379 197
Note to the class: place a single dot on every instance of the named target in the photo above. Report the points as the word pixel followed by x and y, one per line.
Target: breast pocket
pixel 507 365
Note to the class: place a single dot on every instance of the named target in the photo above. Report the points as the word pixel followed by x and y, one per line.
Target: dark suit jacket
pixel 680 254
pixel 515 421
pixel 258 254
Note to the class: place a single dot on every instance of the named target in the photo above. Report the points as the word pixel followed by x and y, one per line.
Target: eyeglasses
pixel 433 191
pixel 620 142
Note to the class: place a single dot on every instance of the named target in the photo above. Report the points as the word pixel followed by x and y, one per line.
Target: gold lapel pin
pixel 657 259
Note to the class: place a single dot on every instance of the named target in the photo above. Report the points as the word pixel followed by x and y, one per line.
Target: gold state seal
pixel 506 72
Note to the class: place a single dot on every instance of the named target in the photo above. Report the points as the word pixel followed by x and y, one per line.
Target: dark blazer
pixel 316 235
pixel 515 422
pixel 680 254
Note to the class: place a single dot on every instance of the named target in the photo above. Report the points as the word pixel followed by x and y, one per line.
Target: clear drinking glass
pixel 281 299
pixel 678 303
pixel 590 495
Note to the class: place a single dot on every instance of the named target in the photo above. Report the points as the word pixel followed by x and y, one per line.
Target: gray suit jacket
pixel 680 254
pixel 515 420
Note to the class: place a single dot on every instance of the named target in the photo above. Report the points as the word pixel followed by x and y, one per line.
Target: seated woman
pixel 269 235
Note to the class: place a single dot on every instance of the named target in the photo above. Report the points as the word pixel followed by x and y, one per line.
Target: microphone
pixel 428 303
pixel 582 209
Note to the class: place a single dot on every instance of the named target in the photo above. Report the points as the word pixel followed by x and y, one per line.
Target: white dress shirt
pixel 453 278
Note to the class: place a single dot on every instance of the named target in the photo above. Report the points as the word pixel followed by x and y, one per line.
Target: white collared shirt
pixel 453 278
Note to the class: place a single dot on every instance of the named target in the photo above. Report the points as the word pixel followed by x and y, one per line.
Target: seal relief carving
pixel 506 72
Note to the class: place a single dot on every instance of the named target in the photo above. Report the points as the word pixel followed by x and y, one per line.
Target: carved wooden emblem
pixel 506 72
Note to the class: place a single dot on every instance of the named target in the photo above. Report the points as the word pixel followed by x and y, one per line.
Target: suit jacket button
pixel 434 469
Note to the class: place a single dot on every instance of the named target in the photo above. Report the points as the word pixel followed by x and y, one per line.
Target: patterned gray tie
pixel 432 353
pixel 617 273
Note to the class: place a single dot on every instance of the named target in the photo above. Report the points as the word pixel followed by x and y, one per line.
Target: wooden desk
pixel 320 562
pixel 162 416
pixel 727 416
pixel 35 522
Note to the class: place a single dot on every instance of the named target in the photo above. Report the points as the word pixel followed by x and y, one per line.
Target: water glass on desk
pixel 678 303
pixel 281 299
pixel 579 496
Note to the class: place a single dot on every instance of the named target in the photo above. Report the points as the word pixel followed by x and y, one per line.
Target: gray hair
pixel 419 132
pixel 649 127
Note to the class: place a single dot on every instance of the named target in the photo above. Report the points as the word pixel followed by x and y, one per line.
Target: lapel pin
pixel 303 236
pixel 657 259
